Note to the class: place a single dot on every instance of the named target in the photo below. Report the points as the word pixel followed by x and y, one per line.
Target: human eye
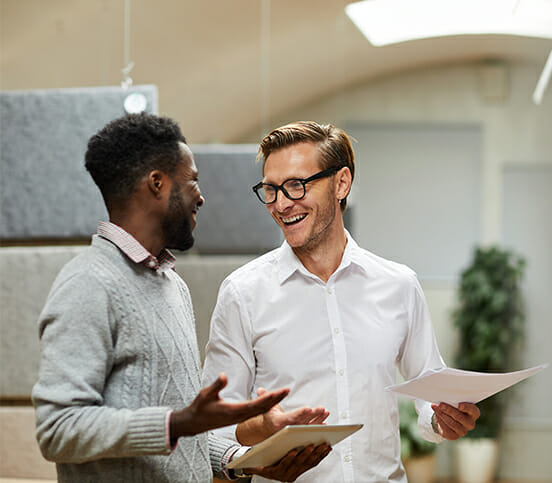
pixel 293 186
pixel 269 189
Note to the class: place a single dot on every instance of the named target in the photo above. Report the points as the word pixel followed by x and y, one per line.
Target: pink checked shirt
pixel 133 249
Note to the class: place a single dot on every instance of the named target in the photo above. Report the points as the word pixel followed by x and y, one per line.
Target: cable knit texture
pixel 118 351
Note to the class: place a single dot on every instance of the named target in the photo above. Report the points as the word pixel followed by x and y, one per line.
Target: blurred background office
pixel 453 135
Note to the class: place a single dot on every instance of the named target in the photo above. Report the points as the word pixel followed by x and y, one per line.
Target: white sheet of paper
pixel 454 386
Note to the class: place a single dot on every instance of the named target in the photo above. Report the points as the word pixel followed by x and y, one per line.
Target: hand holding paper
pixel 454 393
pixel 454 386
pixel 453 423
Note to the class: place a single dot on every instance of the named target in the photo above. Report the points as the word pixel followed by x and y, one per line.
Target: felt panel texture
pixel 45 191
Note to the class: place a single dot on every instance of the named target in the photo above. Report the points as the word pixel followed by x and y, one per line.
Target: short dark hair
pixel 127 149
pixel 333 144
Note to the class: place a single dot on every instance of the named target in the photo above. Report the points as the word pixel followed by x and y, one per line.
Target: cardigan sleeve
pixel 77 356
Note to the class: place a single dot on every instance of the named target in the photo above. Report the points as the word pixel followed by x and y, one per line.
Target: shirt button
pixel 151 264
pixel 347 459
pixel 341 372
pixel 344 414
pixel 336 330
pixel 330 291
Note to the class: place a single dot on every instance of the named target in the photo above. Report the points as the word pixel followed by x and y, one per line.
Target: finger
pixel 306 415
pixel 303 455
pixel 278 468
pixel 464 419
pixel 221 381
pixel 298 416
pixel 319 416
pixel 264 471
pixel 269 399
pixel 453 411
pixel 260 470
pixel 211 392
pixel 248 409
pixel 450 427
pixel 293 465
pixel 319 453
pixel 308 459
pixel 318 420
pixel 471 409
pixel 261 391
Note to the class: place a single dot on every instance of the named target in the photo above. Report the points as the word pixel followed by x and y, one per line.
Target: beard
pixel 177 225
pixel 320 230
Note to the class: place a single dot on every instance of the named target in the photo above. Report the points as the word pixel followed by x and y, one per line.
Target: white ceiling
pixel 223 67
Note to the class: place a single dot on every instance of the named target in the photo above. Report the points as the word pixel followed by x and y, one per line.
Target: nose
pixel 282 202
pixel 201 201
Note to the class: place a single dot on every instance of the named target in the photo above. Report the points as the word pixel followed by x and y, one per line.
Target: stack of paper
pixel 454 386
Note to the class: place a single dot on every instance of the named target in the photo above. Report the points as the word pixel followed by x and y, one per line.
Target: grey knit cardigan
pixel 118 352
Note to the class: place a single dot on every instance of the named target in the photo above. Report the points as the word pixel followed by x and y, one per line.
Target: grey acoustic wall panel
pixel 27 274
pixel 45 191
pixel 232 221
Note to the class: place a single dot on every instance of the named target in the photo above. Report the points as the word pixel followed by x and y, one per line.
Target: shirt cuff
pixel 229 455
pixel 425 427
pixel 172 447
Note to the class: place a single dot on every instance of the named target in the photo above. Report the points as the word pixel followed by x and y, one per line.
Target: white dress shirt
pixel 336 344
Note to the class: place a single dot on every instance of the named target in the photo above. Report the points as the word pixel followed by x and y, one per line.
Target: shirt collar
pixel 133 249
pixel 288 263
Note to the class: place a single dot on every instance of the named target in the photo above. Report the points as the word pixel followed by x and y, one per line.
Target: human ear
pixel 156 182
pixel 343 182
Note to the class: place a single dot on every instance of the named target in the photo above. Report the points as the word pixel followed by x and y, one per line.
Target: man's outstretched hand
pixel 292 465
pixel 258 429
pixel 208 411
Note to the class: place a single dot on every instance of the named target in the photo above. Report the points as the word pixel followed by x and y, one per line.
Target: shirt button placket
pixel 342 388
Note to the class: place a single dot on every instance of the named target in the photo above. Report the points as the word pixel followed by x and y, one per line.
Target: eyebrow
pixel 287 179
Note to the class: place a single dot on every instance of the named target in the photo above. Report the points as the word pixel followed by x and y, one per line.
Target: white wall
pixel 498 99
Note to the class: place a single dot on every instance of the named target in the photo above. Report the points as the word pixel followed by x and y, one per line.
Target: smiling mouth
pixel 292 220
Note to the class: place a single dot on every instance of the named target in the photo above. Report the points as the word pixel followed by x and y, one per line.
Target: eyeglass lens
pixel 292 188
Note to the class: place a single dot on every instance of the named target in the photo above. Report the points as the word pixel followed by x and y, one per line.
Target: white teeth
pixel 293 218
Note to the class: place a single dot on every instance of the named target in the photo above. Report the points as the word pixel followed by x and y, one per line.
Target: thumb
pixel 217 386
pixel 261 391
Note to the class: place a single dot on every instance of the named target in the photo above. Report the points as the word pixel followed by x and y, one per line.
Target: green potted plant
pixel 417 454
pixel 490 320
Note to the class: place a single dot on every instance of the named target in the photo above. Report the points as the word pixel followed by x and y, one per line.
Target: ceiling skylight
pixel 391 21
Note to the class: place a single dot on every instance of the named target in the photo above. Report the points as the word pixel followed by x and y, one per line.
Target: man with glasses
pixel 325 318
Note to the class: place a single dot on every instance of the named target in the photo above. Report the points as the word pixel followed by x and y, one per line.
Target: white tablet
pixel 272 449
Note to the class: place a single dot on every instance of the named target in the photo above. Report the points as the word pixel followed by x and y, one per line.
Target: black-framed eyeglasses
pixel 293 188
